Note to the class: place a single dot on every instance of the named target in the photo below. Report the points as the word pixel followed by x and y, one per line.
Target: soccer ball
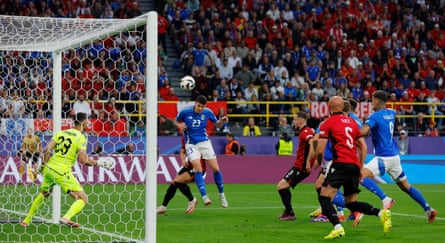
pixel 187 83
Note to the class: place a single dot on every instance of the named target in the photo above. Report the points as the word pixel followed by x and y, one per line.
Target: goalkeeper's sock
pixel 169 194
pixel 199 180
pixel 219 181
pixel 372 186
pixel 35 206
pixel 418 197
pixel 75 208
pixel 185 189
pixel 339 199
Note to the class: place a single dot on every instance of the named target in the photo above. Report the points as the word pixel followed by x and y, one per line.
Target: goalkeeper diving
pixel 66 146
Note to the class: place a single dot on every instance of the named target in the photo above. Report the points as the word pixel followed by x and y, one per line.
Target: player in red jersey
pixel 185 175
pixel 301 168
pixel 345 136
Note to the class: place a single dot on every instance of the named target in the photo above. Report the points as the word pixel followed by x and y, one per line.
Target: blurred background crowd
pixel 240 50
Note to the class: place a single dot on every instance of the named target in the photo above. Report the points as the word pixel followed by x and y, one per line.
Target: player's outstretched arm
pixel 83 158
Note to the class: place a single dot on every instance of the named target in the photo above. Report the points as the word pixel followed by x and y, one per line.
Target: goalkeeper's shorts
pixel 67 181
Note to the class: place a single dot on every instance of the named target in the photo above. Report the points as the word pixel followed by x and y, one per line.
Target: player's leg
pixel 194 155
pixel 417 196
pixel 69 184
pixel 169 194
pixel 376 167
pixel 318 184
pixel 185 176
pixel 181 181
pixel 219 181
pixel 290 179
pixel 209 154
pixel 46 187
pixel 171 191
pixel 396 172
pixel 35 206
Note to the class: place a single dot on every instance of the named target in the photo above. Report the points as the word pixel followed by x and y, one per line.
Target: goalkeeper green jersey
pixel 68 143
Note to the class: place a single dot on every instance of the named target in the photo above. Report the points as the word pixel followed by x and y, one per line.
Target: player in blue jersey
pixel 387 159
pixel 197 144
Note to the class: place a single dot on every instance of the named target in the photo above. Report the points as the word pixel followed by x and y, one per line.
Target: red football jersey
pixel 343 133
pixel 306 133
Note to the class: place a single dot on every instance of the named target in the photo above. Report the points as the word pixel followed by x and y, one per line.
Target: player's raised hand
pixel 107 163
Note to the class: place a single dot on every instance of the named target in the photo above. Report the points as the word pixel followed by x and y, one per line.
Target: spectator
pixel 127 150
pixel 139 129
pixel 434 108
pixel 98 150
pixel 432 130
pixel 283 126
pixel 245 76
pixel 225 70
pixel 81 105
pixel 251 130
pixel 233 147
pixel 116 126
pixel 285 145
pixel 250 91
pixel 16 105
pixel 403 142
pixel 166 126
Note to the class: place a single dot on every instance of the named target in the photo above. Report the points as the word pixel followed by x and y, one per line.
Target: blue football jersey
pixel 356 119
pixel 196 124
pixel 328 149
pixel 382 127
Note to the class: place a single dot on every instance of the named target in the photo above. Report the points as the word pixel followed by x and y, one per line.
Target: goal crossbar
pixel 57 34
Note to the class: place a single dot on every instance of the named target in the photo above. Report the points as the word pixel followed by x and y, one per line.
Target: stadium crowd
pixel 250 50
pixel 104 79
pixel 244 50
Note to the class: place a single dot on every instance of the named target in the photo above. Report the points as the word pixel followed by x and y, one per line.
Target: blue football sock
pixel 418 197
pixel 199 180
pixel 219 181
pixel 372 186
pixel 339 200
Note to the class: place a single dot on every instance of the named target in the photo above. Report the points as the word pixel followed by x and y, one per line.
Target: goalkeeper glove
pixel 106 163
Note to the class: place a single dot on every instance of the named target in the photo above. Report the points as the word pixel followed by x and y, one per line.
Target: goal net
pixel 50 69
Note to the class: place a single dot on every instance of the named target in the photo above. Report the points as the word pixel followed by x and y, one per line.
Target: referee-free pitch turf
pixel 252 216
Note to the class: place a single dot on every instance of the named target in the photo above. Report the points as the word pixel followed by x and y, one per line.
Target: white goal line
pixel 92 230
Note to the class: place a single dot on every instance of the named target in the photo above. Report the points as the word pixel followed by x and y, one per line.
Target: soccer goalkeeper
pixel 66 146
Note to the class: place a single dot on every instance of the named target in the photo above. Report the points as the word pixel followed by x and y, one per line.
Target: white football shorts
pixel 204 149
pixel 391 165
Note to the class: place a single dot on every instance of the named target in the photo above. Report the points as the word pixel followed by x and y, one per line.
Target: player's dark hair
pixel 353 104
pixel 79 118
pixel 201 99
pixel 347 105
pixel 302 114
pixel 381 95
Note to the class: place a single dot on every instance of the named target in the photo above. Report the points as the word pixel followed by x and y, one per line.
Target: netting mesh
pixel 50 34
pixel 102 77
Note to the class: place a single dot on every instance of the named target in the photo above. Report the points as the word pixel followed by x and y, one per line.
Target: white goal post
pixel 56 35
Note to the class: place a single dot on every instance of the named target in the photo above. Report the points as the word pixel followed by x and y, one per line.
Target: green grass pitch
pixel 251 217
